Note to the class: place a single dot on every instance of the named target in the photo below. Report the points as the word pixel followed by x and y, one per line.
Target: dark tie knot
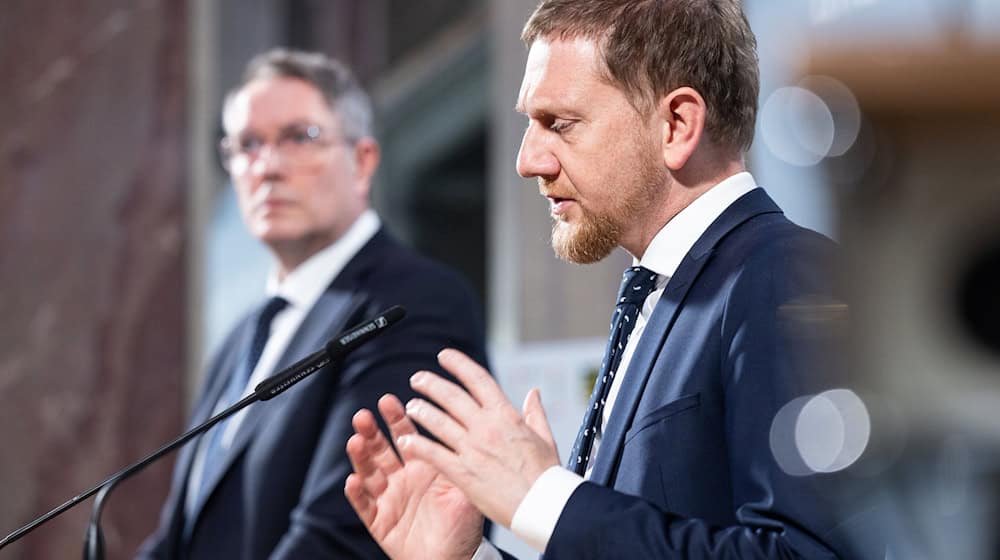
pixel 272 308
pixel 262 330
pixel 637 283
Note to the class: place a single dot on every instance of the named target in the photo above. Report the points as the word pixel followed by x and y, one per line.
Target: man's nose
pixel 535 158
pixel 269 160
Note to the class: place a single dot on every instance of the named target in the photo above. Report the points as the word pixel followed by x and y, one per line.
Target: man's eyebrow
pixel 539 113
pixel 298 123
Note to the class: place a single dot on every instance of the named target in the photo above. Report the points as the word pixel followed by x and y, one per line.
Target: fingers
pixel 395 417
pixel 368 441
pixel 535 417
pixel 473 376
pixel 373 459
pixel 360 500
pixel 439 457
pixel 391 408
pixel 450 396
pixel 442 426
pixel 371 456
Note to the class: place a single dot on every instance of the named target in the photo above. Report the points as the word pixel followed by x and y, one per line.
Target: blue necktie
pixel 215 454
pixel 637 284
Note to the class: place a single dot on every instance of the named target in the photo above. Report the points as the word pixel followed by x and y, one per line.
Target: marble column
pixel 92 260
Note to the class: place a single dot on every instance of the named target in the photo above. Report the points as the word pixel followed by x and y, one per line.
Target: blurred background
pixel 123 259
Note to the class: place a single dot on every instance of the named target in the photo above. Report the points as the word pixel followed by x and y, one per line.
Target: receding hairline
pixel 336 83
pixel 642 101
pixel 566 33
pixel 229 99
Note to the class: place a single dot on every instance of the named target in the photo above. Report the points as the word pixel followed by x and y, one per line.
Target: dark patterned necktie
pixel 215 454
pixel 637 284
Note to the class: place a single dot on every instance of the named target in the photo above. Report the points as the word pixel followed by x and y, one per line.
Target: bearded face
pixel 588 240
pixel 594 231
pixel 596 156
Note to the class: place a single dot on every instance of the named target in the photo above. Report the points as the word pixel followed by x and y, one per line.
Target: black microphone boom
pixel 335 349
pixel 271 387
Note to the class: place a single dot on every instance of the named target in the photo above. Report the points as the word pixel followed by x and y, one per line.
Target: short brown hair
pixel 651 47
pixel 331 77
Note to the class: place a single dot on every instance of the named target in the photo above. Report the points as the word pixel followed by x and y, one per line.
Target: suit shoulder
pixel 770 260
pixel 408 265
pixel 404 276
pixel 441 308
pixel 772 239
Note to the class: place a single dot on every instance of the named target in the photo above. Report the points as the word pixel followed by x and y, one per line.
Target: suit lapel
pixel 660 322
pixel 219 377
pixel 326 318
pixel 323 321
pixel 639 368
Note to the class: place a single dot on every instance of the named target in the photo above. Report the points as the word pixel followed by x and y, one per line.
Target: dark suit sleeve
pixel 764 363
pixel 440 313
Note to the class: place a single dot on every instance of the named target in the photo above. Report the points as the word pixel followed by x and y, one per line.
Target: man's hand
pixel 489 450
pixel 411 510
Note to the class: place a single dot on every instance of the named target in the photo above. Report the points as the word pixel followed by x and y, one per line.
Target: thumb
pixel 534 416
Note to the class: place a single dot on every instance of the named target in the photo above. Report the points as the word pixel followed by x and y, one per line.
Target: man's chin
pixel 277 234
pixel 581 245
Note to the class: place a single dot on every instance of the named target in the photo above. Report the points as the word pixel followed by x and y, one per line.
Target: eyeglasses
pixel 295 144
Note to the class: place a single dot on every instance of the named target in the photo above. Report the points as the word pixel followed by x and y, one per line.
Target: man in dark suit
pixel 268 482
pixel 639 115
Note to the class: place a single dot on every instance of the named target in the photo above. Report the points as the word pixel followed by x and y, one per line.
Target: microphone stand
pixel 93 541
pixel 95 546
pixel 271 387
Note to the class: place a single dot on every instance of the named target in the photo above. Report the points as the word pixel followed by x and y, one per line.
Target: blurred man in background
pixel 268 482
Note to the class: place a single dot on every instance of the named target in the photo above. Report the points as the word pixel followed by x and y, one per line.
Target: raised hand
pixel 408 507
pixel 488 449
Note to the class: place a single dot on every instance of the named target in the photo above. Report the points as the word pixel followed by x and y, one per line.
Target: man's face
pixel 295 176
pixel 596 158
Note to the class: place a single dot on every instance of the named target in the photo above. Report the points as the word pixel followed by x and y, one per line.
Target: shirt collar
pixel 303 286
pixel 668 248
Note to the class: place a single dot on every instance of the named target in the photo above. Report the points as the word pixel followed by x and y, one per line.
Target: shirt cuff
pixel 539 511
pixel 486 551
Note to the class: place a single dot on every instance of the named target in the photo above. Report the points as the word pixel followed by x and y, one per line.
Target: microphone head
pixel 336 348
pixel 359 334
pixel 393 314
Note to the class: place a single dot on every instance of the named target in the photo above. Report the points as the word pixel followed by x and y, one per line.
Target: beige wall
pixel 534 297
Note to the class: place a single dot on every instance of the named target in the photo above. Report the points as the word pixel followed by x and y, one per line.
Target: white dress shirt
pixel 539 511
pixel 301 288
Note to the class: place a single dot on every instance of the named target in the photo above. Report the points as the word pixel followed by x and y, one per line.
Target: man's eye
pixel 560 125
pixel 303 135
pixel 299 136
pixel 249 144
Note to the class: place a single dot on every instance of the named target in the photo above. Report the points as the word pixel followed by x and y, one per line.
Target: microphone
pixel 335 349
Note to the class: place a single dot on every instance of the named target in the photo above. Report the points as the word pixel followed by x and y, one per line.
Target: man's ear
pixel 367 154
pixel 682 112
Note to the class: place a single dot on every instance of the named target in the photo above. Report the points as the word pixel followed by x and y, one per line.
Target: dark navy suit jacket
pixel 282 496
pixel 685 468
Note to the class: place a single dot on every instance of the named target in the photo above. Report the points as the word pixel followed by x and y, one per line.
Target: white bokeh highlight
pixel 797 126
pixel 817 118
pixel 824 433
pixel 843 107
